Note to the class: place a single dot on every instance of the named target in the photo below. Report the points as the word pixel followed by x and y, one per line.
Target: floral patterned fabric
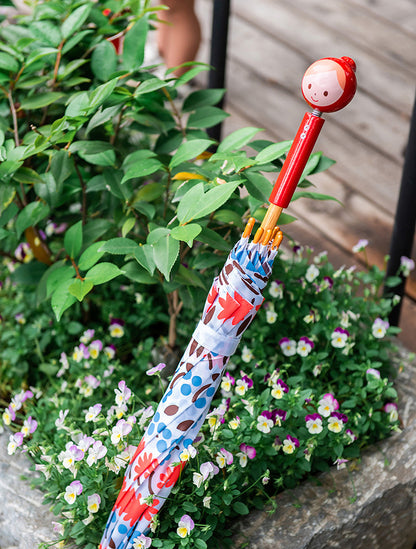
pixel 231 305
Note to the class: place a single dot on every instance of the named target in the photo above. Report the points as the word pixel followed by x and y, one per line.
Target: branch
pixel 84 193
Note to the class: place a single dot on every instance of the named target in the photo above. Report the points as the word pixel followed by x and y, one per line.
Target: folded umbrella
pixel 232 303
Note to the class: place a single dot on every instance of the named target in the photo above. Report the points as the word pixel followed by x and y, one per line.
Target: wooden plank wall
pixel 271 43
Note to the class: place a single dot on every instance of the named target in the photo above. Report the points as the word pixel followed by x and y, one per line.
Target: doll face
pixel 321 89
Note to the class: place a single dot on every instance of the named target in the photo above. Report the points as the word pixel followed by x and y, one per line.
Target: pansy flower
pixel 234 423
pixel 110 351
pixel 72 491
pixel 339 338
pixel 340 463
pixel 224 458
pixel 188 453
pixel 246 355
pixel 142 542
pixel 312 273
pixel 336 422
pixel 314 423
pixel 243 385
pixel 276 289
pixel 288 346
pixel 304 346
pixel 116 327
pixel 70 456
pixel 94 503
pixel 121 429
pixel 379 328
pixel 156 369
pixel 265 422
pixel 96 452
pixel 391 409
pixel 23 252
pixel 271 316
pixel 20 319
pixel 9 415
pixel 93 412
pixel 87 336
pixel 80 352
pixel 351 436
pixel 15 441
pixel 95 347
pixel 406 265
pixel 360 246
pixel 206 502
pixel 290 444
pixel 60 421
pixel 185 526
pixel 327 404
pixel 278 416
pixel 279 389
pixel 123 393
pixel 228 381
pixel 29 426
pixel 246 452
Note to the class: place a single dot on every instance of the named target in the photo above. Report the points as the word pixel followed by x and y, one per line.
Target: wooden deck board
pixel 271 43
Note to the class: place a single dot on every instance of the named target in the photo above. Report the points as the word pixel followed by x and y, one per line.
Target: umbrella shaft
pixel 296 160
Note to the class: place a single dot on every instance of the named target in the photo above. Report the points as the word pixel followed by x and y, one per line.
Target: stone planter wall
pixel 371 507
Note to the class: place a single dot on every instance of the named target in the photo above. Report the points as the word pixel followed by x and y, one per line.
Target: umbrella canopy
pixel 232 303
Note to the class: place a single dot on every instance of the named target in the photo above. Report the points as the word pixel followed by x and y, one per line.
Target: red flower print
pixel 236 307
pixel 171 476
pixel 145 465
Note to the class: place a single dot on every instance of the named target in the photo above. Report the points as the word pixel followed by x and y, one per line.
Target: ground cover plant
pixel 115 215
pixel 289 406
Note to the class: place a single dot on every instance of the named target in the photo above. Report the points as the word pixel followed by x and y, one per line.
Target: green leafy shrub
pixel 105 168
pixel 290 406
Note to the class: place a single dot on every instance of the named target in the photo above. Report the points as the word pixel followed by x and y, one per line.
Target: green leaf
pixel 8 63
pixel 240 508
pixel 75 20
pixel 315 196
pixel 120 246
pixel 104 61
pixel 103 272
pixel 101 93
pixel 144 256
pixel 57 275
pixel 134 44
pixel 40 100
pixel 77 105
pixel 165 253
pixel 102 116
pixel 311 164
pixel 202 98
pixel 47 32
pixel 148 193
pixel 80 288
pixel 229 217
pixel 258 185
pixel 206 117
pixel 40 53
pixel 196 204
pixel 127 226
pixel 31 215
pixel 150 85
pixel 213 239
pixel 186 208
pixel 237 139
pixel 73 240
pixel 99 153
pixel 27 176
pixel 272 152
pixel 187 233
pixel 61 298
pixel 188 277
pixel 142 167
pixel 200 544
pixel 188 150
pixel 91 256
pixel 137 273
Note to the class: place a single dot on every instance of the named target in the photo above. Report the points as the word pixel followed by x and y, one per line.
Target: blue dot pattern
pixel 234 298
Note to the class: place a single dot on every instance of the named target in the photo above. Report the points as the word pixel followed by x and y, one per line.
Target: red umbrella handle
pixel 328 85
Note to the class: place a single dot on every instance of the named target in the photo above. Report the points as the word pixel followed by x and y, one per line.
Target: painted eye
pixel 325 93
pixel 309 86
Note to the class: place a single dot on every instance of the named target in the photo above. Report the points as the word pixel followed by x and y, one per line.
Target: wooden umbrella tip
pixel 277 240
pixel 249 227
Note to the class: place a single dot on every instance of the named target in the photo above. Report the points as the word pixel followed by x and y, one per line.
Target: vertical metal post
pixel 218 60
pixel 405 219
